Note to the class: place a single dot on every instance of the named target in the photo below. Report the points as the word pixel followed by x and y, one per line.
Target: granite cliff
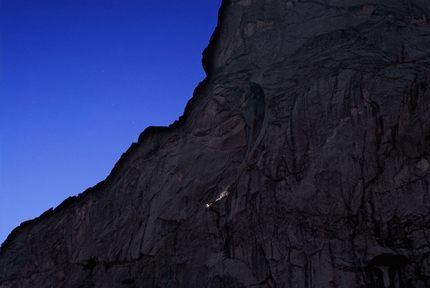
pixel 313 120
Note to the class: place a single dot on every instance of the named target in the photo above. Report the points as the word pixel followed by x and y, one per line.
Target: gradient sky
pixel 79 81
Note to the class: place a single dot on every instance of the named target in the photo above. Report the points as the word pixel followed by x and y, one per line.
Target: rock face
pixel 313 119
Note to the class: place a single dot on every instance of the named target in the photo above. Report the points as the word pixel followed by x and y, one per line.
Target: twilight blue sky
pixel 79 81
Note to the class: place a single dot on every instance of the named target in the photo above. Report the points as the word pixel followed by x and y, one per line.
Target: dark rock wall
pixel 315 116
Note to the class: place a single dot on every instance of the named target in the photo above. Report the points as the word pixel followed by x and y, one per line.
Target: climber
pixel 220 197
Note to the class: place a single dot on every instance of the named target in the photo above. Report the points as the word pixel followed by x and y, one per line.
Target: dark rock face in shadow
pixel 315 116
pixel 387 270
pixel 253 110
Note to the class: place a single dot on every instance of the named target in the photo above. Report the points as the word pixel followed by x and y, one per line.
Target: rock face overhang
pixel 314 118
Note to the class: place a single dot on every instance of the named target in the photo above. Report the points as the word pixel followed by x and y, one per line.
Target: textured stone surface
pixel 315 114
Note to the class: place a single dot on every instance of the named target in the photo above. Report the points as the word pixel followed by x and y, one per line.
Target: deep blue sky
pixel 79 81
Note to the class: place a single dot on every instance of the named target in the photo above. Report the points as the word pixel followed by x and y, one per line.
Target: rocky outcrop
pixel 313 121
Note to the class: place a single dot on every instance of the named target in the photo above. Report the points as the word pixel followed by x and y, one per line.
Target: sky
pixel 79 81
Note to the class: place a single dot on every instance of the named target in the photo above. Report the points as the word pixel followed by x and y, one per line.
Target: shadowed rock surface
pixel 316 115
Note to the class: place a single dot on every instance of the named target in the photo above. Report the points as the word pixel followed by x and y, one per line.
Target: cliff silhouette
pixel 313 121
